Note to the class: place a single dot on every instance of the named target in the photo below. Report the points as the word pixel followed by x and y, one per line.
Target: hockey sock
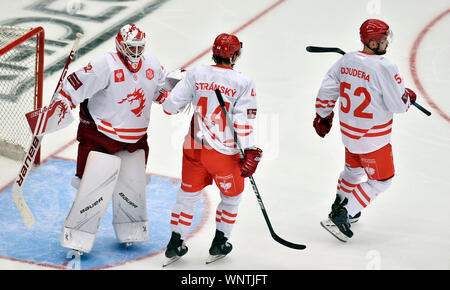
pixel 364 193
pixel 183 212
pixel 226 213
pixel 349 178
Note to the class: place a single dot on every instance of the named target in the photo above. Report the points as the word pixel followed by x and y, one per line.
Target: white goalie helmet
pixel 130 42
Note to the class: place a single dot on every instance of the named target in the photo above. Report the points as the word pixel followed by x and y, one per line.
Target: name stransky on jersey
pixel 355 73
pixel 213 86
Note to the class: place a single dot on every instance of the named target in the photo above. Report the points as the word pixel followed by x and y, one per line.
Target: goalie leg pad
pixel 91 202
pixel 130 220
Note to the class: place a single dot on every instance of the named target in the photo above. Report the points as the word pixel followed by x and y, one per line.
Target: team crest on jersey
pixel 136 96
pixel 150 74
pixel 226 183
pixel 370 171
pixel 119 76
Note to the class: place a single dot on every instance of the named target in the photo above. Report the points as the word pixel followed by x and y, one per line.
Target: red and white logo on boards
pixel 119 75
pixel 150 74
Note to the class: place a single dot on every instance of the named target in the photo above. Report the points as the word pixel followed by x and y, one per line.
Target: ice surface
pixel 298 175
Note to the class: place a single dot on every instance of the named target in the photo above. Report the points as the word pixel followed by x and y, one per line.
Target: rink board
pixel 50 196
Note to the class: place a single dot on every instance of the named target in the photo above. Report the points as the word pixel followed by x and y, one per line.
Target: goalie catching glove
pixel 172 79
pixel 248 164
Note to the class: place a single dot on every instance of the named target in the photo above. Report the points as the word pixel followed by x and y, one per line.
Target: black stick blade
pixel 288 244
pixel 314 49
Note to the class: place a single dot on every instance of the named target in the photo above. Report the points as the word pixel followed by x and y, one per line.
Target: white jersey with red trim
pixel 119 100
pixel 238 91
pixel 370 91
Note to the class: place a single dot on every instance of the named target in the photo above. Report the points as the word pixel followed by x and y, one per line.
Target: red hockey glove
pixel 162 96
pixel 248 165
pixel 323 125
pixel 411 94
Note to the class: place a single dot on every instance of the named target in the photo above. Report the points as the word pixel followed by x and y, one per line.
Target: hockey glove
pixel 409 94
pixel 323 125
pixel 248 165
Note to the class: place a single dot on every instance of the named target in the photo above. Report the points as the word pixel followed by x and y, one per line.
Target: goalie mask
pixel 130 44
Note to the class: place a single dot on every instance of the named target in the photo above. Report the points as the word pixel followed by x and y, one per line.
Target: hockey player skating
pixel 115 92
pixel 370 90
pixel 209 151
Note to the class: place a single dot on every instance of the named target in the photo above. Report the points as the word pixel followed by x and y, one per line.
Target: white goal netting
pixel 18 88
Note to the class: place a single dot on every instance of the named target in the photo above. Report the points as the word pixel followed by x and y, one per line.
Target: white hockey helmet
pixel 130 42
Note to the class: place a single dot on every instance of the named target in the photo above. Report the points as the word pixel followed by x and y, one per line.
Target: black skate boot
pixel 219 247
pixel 352 219
pixel 338 217
pixel 175 249
pixel 355 218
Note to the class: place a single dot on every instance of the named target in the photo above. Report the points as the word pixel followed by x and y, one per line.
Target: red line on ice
pixel 240 28
pixel 412 64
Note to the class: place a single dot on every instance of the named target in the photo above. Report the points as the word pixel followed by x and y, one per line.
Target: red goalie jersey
pixel 370 89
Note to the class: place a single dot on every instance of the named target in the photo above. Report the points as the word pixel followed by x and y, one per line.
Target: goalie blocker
pixel 49 119
pixel 120 177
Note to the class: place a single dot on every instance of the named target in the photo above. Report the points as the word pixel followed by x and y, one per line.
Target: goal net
pixel 21 79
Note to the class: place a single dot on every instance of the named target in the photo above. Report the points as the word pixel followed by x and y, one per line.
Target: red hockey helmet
pixel 130 42
pixel 226 45
pixel 374 29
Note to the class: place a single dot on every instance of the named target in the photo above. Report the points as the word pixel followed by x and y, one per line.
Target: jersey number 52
pixel 359 92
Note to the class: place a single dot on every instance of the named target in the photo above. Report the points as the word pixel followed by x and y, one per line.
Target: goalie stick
pixel 252 181
pixel 315 49
pixel 17 193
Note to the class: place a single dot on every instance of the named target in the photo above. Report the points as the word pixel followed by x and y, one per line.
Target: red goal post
pixel 21 86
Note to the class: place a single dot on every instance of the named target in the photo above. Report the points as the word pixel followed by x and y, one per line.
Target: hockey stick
pixel 17 194
pixel 319 49
pixel 324 49
pixel 252 181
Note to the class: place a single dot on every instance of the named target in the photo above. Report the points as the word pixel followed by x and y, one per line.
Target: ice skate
pixel 338 223
pixel 175 249
pixel 352 219
pixel 219 248
pixel 355 218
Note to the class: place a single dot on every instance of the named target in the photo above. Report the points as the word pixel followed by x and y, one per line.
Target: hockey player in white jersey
pixel 370 90
pixel 209 151
pixel 115 92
